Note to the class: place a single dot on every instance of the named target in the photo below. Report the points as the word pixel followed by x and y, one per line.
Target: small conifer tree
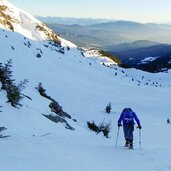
pixel 14 95
pixel 108 108
pixel 6 74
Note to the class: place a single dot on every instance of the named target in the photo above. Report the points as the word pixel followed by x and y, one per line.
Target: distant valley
pixel 108 34
pixel 132 42
pixel 154 58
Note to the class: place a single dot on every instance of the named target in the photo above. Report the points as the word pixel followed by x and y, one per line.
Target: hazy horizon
pixel 153 11
pixel 107 19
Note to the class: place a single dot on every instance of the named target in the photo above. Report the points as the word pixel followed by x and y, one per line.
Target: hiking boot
pixel 126 144
pixel 131 146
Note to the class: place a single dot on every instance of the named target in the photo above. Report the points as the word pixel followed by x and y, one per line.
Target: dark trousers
pixel 128 132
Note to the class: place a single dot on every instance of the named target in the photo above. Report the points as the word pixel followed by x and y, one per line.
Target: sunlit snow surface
pixel 83 90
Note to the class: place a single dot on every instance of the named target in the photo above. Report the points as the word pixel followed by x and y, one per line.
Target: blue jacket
pixel 128 116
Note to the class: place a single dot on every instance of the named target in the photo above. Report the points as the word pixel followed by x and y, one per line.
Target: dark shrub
pixel 93 126
pixel 168 120
pixel 108 108
pixel 41 89
pixel 103 127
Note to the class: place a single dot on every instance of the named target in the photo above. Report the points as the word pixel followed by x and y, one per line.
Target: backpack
pixel 128 116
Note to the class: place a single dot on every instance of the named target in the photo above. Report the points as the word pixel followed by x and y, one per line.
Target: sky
pixel 133 10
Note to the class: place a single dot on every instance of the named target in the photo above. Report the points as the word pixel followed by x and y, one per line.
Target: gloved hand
pixel 119 124
pixel 139 126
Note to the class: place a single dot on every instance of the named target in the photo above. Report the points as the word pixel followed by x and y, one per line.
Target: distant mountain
pixel 72 20
pixel 86 36
pixel 106 35
pixel 118 25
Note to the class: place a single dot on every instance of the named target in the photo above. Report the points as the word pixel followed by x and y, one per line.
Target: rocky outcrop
pixel 55 108
pixel 51 35
pixel 59 119
pixel 5 19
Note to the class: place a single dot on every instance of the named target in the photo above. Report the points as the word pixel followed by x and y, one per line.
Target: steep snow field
pixel 83 90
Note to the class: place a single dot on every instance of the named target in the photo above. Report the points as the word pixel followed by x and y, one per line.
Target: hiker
pixel 127 118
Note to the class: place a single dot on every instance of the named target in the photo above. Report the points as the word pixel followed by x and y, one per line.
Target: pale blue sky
pixel 134 10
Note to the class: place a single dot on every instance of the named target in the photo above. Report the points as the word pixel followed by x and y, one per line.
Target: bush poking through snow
pixel 103 127
pixel 108 108
pixel 41 89
pixel 92 126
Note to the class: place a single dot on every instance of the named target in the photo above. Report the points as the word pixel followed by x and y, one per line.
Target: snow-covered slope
pixel 83 90
pixel 19 21
pixel 94 55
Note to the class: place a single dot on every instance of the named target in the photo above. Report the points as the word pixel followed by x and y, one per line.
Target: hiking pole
pixel 140 138
pixel 117 137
